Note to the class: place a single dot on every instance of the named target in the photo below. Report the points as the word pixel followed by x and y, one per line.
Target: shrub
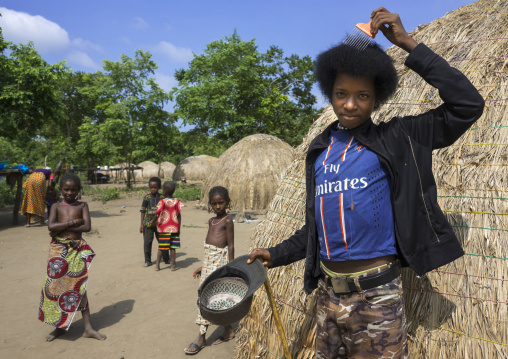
pixel 186 192
pixel 108 194
pixel 6 195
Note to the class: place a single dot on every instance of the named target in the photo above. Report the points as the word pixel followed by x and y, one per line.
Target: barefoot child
pixel 169 219
pixel 70 257
pixel 219 250
pixel 147 227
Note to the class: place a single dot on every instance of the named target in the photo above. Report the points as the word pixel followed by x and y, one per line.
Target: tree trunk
pixel 57 170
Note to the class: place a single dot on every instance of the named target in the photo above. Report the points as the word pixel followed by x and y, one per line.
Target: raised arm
pixel 391 27
pixel 462 104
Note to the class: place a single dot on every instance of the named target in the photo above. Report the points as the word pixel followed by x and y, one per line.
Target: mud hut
pixel 168 169
pixel 458 310
pixel 192 169
pixel 212 160
pixel 250 170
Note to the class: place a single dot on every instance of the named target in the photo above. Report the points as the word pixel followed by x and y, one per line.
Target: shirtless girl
pixel 64 288
pixel 219 250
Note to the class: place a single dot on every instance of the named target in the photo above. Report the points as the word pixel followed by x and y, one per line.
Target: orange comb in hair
pixel 360 37
pixel 365 28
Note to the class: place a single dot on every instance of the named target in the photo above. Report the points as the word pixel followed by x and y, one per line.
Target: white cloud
pixel 125 39
pixel 174 53
pixel 20 27
pixel 166 82
pixel 82 59
pixel 48 37
pixel 85 45
pixel 140 23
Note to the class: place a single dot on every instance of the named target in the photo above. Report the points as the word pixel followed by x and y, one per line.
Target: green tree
pixel 29 100
pixel 232 91
pixel 133 122
pixel 28 91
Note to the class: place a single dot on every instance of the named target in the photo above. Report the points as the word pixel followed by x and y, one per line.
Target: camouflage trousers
pixel 371 324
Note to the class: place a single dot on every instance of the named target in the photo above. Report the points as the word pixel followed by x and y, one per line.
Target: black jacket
pixel 425 239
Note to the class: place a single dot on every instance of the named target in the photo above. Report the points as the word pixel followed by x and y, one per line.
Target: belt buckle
pixel 340 285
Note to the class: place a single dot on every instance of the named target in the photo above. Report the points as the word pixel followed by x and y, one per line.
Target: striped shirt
pixel 354 215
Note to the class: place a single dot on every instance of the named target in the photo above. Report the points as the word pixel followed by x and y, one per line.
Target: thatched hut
pixel 212 160
pixel 459 310
pixel 150 169
pixel 192 169
pixel 168 169
pixel 250 170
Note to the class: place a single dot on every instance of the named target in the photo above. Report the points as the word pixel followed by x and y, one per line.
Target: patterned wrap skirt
pixel 64 287
pixel 214 258
pixel 34 200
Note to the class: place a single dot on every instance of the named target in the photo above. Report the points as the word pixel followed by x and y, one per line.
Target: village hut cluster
pixel 456 311
pixel 141 172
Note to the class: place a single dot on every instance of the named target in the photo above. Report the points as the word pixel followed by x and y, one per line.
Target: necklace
pixel 67 204
pixel 214 224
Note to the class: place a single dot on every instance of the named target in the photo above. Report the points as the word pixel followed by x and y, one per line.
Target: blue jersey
pixel 354 215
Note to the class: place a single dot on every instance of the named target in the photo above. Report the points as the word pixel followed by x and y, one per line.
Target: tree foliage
pixel 28 96
pixel 232 90
pixel 119 114
pixel 132 122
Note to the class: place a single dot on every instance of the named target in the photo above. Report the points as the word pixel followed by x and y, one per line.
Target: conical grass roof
pixel 192 169
pixel 459 310
pixel 212 160
pixel 168 169
pixel 150 169
pixel 250 170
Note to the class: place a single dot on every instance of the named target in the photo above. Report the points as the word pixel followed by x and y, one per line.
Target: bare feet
pixel 93 334
pixel 54 334
pixel 157 268
pixel 174 268
pixel 147 264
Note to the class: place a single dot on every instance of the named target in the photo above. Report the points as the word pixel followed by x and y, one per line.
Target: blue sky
pixel 86 32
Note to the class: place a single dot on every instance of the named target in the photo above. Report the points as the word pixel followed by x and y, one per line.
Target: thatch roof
pixel 250 170
pixel 212 160
pixel 150 169
pixel 168 169
pixel 192 169
pixel 459 310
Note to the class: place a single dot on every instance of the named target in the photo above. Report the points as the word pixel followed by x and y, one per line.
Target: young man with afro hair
pixel 371 196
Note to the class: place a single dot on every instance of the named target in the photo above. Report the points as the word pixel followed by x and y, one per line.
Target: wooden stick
pixel 278 323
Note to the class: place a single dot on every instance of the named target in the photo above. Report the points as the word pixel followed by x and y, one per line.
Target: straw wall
pixel 458 310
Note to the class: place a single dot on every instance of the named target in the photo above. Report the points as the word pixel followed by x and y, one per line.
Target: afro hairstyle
pixel 372 62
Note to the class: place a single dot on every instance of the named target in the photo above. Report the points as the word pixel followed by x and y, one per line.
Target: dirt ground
pixel 143 313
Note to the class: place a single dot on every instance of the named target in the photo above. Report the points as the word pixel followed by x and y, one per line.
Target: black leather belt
pixel 347 284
